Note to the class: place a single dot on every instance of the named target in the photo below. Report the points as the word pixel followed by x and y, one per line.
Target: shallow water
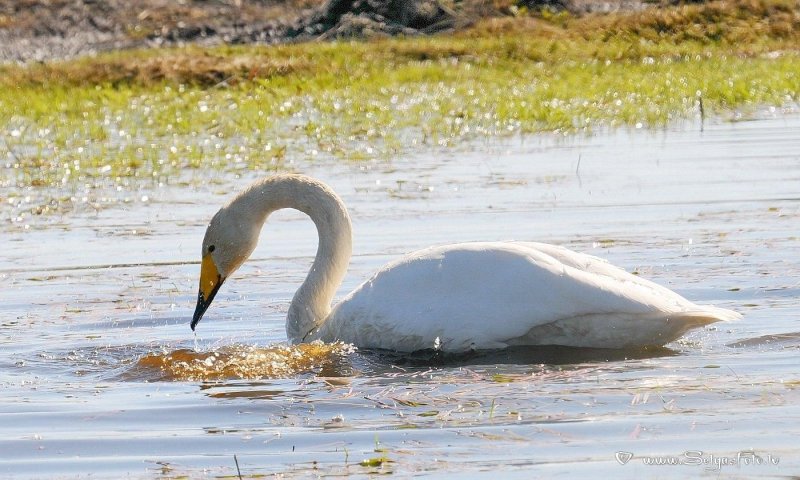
pixel 101 375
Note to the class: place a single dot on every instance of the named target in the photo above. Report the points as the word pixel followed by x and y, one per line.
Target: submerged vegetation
pixel 106 121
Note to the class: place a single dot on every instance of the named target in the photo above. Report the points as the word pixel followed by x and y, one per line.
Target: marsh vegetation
pixel 146 115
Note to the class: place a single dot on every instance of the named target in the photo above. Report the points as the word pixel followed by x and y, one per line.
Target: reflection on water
pixel 330 361
pixel 554 355
pixel 244 362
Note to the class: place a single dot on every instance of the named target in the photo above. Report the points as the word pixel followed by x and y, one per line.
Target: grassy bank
pixel 150 114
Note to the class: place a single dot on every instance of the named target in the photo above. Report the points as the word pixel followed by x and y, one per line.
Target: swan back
pixel 492 295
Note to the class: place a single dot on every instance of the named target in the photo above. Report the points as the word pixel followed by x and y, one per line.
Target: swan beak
pixel 210 281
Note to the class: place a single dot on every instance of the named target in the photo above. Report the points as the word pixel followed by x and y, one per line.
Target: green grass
pixel 154 115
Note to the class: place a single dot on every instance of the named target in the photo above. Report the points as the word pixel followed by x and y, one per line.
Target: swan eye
pixel 211 248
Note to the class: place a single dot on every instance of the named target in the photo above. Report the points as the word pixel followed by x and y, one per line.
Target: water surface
pixel 101 375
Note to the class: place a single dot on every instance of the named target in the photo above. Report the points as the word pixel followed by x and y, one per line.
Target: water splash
pixel 241 362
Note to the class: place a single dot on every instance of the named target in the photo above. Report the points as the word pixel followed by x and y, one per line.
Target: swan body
pixel 454 298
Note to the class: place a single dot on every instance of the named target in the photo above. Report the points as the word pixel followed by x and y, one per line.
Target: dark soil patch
pixel 41 30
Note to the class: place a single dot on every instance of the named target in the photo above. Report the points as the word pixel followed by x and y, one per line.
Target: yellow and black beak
pixel 210 281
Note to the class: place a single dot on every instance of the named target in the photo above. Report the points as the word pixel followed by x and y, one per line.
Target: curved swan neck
pixel 311 304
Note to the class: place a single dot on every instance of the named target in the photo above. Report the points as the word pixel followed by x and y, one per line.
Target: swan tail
pixel 706 316
pixel 620 330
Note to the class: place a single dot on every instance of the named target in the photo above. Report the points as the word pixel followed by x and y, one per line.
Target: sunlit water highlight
pixel 241 362
pixel 101 375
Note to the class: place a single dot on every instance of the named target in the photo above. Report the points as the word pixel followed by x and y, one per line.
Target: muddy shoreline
pixel 43 30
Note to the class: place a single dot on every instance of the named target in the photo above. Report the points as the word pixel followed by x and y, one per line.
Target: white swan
pixel 455 298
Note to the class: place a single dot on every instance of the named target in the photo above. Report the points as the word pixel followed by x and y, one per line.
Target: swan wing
pixel 598 266
pixel 491 295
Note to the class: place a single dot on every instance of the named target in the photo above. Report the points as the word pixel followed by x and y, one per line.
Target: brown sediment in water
pixel 240 362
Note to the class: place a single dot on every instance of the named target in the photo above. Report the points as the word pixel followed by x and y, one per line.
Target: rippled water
pixel 101 375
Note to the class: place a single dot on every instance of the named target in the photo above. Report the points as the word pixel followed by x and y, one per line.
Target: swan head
pixel 230 239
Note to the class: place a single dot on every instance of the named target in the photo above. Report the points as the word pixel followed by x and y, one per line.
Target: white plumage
pixel 476 296
pixel 456 298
